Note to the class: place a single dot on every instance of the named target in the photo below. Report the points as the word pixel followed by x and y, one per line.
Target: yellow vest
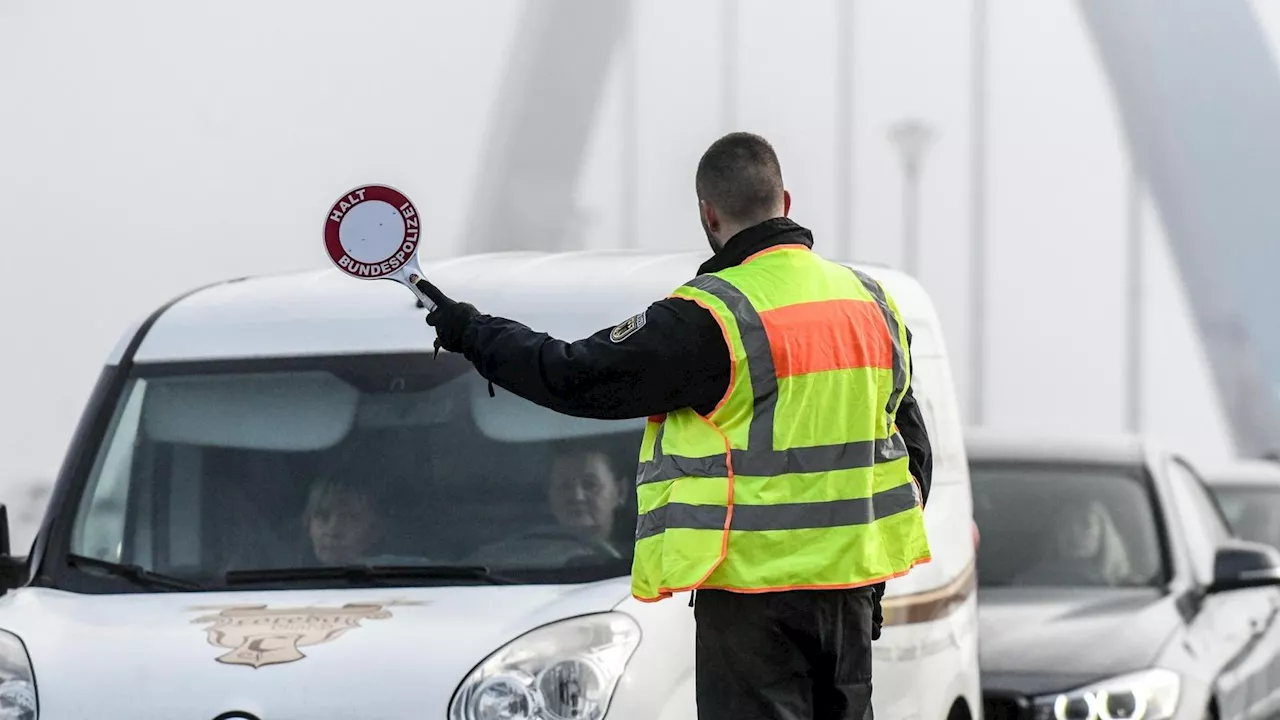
pixel 799 478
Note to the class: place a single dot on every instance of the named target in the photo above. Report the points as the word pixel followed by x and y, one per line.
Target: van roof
pixel 567 294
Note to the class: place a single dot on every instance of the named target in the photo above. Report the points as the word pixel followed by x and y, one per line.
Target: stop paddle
pixel 373 233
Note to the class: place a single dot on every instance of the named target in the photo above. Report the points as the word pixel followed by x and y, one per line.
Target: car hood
pixel 1043 640
pixel 296 654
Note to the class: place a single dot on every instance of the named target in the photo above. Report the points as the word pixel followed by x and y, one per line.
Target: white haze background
pixel 148 146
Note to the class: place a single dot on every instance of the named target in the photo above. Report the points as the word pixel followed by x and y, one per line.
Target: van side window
pixel 100 532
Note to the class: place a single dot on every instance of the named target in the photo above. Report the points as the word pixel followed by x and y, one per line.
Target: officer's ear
pixel 786 203
pixel 710 218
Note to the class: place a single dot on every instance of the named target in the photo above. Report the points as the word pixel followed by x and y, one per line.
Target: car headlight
pixel 564 671
pixel 17 682
pixel 1147 695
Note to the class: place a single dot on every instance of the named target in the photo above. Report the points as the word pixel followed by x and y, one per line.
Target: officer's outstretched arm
pixel 665 358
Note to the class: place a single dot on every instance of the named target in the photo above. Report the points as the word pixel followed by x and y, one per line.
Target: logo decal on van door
pixel 257 636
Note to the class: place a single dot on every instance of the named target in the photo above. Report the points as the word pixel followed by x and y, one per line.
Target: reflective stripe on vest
pixel 791 516
pixel 699 493
pixel 891 321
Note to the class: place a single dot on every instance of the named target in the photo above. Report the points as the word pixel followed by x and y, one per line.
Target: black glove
pixel 450 318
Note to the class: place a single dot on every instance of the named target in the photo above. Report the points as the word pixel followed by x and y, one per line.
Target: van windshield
pixel 253 474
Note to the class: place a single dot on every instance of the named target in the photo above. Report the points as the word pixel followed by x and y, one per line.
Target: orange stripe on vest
pixel 827 335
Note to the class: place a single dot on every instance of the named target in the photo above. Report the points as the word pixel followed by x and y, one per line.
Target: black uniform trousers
pixel 790 655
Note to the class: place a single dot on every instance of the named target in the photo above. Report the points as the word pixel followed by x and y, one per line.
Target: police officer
pixel 784 465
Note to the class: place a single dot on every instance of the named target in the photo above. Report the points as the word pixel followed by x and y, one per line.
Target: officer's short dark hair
pixel 740 175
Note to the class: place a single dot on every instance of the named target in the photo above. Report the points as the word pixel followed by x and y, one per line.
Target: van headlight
pixel 17 682
pixel 1147 695
pixel 567 670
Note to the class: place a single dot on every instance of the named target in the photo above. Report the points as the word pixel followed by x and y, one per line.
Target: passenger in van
pixel 772 361
pixel 343 521
pixel 1086 550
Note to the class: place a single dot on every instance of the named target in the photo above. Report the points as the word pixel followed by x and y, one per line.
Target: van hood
pixel 362 654
pixel 1046 640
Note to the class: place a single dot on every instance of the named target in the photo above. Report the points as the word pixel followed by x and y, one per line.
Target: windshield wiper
pixel 369 573
pixel 136 574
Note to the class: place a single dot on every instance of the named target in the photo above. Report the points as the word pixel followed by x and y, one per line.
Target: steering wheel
pixel 600 547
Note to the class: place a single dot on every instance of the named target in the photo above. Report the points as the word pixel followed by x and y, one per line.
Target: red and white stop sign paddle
pixel 372 233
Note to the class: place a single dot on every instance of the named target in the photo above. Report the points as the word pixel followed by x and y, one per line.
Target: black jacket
pixel 676 359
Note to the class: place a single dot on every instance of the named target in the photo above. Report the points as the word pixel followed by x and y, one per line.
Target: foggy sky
pixel 150 146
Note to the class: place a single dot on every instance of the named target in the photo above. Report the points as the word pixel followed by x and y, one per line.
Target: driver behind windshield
pixel 585 493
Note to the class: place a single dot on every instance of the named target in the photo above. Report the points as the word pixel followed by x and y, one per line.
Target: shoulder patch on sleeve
pixel 628 327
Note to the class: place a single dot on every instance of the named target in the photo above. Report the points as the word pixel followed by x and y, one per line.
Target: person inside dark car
pixel 1085 549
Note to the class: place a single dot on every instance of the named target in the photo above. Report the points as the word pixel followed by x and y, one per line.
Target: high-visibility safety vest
pixel 798 479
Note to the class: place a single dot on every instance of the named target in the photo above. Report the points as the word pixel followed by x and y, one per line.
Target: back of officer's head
pixel 739 184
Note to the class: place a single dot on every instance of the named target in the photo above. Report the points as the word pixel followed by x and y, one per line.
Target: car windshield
pixel 270 472
pixel 1064 526
pixel 1253 512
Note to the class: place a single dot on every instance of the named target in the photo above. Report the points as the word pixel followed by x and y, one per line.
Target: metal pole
pixel 729 65
pixel 1134 305
pixel 844 126
pixel 978 213
pixel 912 138
pixel 630 160
pixel 911 219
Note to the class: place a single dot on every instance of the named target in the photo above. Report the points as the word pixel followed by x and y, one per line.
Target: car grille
pixel 1005 707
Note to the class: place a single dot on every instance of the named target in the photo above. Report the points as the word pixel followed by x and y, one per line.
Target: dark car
pixel 1249 493
pixel 1110 587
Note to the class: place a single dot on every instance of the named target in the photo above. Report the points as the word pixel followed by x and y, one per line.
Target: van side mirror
pixel 13 571
pixel 1241 564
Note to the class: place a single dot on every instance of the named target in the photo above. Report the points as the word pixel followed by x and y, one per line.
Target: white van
pixel 186 567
